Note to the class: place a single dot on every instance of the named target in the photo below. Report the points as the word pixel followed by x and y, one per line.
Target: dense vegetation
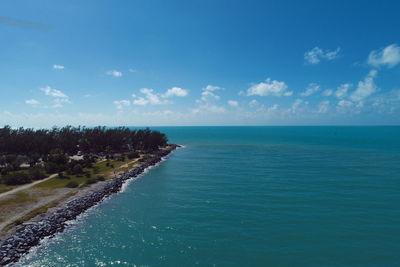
pixel 48 151
pixel 73 139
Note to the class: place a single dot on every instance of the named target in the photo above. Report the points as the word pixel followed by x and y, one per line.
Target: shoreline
pixel 23 237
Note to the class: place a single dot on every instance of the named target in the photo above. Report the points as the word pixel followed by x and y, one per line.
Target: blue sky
pixel 199 63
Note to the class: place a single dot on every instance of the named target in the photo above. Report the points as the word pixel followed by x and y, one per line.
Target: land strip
pixel 51 218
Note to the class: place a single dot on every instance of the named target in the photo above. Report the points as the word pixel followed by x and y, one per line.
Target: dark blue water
pixel 249 196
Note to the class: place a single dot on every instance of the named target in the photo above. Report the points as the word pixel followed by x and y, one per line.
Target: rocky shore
pixel 30 235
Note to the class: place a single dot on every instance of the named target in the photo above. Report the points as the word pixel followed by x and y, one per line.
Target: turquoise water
pixel 249 196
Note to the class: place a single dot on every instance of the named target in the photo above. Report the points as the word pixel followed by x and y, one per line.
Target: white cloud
pixel 388 56
pixel 387 103
pixel 59 97
pixel 114 73
pixel 274 107
pixel 344 106
pixel 311 89
pixel 315 55
pixel 288 93
pixel 150 97
pixel 58 67
pixel 208 108
pixel 298 107
pixel 175 91
pixel 327 92
pixel 58 102
pixel 207 102
pixel 214 108
pixel 120 104
pixel 323 107
pixel 342 90
pixel 31 102
pixel 254 103
pixel 140 101
pixel 132 70
pixel 53 92
pixel 212 88
pixel 297 104
pixel 153 98
pixel 233 103
pixel 269 87
pixel 207 96
pixel 365 88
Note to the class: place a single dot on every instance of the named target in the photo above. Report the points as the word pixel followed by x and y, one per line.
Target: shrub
pixel 101 178
pixel 144 158
pixel 61 175
pixel 72 184
pixel 69 171
pixel 57 157
pixel 37 173
pixel 10 158
pixel 4 171
pixel 88 175
pixel 89 158
pixel 133 155
pixel 52 167
pixel 77 169
pixel 96 169
pixel 17 179
pixel 107 164
pixel 91 181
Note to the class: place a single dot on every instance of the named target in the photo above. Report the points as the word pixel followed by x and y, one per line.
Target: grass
pixel 5 188
pixel 19 198
pixel 38 211
pixel 57 182
pixel 103 170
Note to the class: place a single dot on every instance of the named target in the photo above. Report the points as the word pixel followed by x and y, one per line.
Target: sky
pixel 199 62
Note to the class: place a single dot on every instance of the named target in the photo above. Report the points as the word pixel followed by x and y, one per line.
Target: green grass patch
pixel 38 211
pixel 102 169
pixel 19 198
pixel 58 182
pixel 5 188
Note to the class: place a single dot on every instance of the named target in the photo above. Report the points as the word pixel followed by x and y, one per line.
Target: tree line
pixel 54 146
pixel 70 140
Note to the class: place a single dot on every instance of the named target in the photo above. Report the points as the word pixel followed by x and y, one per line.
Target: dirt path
pixel 26 186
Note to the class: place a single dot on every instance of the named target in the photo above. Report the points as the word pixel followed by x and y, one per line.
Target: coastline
pixel 22 238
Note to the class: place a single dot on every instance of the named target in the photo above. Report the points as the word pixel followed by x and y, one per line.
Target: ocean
pixel 248 196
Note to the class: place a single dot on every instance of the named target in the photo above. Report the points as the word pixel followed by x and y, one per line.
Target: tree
pixel 77 169
pixel 53 145
pixel 17 179
pixel 36 173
